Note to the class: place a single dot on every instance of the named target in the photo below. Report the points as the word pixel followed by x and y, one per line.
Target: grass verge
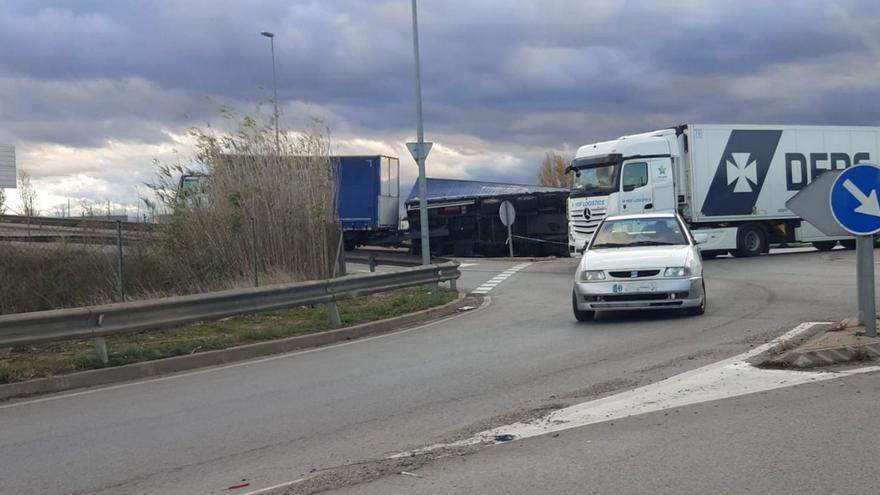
pixel 24 363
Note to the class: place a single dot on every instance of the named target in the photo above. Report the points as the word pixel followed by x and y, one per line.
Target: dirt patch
pixel 599 389
pixel 755 339
pixel 681 359
pixel 364 472
pixel 517 416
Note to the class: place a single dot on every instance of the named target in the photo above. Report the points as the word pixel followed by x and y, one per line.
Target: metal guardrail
pixel 96 222
pixel 129 317
pixel 374 257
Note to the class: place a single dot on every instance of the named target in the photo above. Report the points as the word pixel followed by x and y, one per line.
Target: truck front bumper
pixel 639 294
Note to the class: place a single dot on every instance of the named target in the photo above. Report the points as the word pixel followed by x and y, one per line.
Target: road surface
pixel 280 418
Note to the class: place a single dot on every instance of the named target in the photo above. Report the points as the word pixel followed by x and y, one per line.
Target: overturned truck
pixel 463 218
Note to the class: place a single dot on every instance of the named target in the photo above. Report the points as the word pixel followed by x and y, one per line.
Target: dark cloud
pixel 538 74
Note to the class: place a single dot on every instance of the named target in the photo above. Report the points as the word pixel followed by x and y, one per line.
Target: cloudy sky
pixel 92 91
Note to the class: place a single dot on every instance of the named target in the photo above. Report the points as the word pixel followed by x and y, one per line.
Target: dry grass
pixel 278 199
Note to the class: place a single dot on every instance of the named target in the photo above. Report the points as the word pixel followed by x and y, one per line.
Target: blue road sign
pixel 853 199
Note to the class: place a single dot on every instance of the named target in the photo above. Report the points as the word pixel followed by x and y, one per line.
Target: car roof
pixel 638 216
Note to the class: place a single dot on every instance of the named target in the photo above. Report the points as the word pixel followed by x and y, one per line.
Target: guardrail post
pixel 453 285
pixel 254 252
pixel 372 263
pixel 101 350
pixel 120 286
pixel 333 314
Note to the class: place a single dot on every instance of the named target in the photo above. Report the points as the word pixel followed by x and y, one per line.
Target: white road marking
pixel 731 377
pixel 465 265
pixel 497 279
pixel 97 389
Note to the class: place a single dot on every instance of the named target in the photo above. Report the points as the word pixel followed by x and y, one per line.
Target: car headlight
pixel 677 271
pixel 592 275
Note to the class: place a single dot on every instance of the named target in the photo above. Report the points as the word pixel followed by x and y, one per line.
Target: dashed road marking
pixel 497 279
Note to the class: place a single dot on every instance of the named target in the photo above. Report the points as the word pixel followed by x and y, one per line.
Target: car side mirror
pixel 701 238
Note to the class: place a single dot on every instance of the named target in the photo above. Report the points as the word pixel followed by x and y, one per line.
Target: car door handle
pixel 649 206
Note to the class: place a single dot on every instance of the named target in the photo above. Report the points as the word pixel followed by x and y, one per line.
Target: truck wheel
pixel 824 245
pixel 849 243
pixel 750 241
pixel 580 315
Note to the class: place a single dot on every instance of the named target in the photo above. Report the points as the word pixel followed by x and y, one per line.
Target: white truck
pixel 730 182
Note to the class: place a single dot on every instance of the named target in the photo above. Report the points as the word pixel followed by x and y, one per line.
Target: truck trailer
pixel 369 199
pixel 730 182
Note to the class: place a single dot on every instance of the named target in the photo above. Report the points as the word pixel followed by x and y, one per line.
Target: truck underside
pixel 474 229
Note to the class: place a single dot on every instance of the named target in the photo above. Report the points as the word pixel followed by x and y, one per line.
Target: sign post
pixel 854 204
pixel 508 216
pixel 844 203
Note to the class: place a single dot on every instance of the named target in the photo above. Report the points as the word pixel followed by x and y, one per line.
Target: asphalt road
pixel 810 439
pixel 277 419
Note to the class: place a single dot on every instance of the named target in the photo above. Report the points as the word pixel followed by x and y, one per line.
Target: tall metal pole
pixel 423 186
pixel 271 37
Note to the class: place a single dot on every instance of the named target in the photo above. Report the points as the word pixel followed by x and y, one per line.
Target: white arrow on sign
pixel 868 205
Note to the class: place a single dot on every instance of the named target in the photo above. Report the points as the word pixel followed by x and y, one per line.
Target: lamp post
pixel 421 152
pixel 271 37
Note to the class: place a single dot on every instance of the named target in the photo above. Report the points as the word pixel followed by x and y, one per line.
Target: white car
pixel 645 261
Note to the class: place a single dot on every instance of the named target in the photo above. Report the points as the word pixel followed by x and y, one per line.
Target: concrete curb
pixel 825 357
pixel 785 344
pixel 149 369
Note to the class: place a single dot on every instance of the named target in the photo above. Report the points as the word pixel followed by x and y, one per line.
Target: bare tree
pixel 27 194
pixel 552 172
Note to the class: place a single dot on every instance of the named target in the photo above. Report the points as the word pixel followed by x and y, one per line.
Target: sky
pixel 92 92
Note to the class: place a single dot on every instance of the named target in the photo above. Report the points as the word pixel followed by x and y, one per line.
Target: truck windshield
pixel 595 180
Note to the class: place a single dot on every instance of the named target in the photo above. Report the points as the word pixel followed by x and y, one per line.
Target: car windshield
pixel 595 180
pixel 639 232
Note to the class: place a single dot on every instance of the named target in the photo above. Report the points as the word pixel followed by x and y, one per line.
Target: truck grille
pixel 583 226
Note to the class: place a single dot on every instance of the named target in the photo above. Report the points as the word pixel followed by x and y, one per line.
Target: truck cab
pixel 630 175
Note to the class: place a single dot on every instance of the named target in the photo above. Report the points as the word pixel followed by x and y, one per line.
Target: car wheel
pixel 824 245
pixel 750 241
pixel 701 309
pixel 849 244
pixel 579 314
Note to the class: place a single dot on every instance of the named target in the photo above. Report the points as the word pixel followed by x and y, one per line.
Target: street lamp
pixel 421 151
pixel 271 37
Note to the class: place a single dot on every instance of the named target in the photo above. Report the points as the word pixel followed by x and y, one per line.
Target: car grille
pixel 634 297
pixel 672 297
pixel 638 273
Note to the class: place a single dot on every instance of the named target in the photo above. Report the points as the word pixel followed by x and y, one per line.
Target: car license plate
pixel 632 287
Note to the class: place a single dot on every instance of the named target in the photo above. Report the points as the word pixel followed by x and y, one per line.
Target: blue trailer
pixel 369 199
